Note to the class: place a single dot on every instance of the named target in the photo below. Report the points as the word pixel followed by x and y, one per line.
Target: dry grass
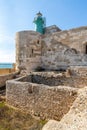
pixel 12 119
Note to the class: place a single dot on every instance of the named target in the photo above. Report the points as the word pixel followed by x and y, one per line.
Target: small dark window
pixel 38 42
pixel 32 51
pixel 49 49
pixel 86 49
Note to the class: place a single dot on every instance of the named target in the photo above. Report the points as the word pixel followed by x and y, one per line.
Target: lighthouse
pixel 39 23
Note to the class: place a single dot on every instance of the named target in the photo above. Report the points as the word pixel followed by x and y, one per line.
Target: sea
pixel 6 65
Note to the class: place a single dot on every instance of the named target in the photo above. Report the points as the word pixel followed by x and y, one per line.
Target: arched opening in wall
pixel 74 51
pixel 70 51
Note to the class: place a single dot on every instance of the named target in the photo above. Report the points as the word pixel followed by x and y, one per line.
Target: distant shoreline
pixel 7 68
pixel 7 65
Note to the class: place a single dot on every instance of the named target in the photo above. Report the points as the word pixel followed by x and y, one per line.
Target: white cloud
pixel 7 49
pixel 5 38
pixel 7 57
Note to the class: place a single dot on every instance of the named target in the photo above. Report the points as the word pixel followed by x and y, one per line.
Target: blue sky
pixel 17 15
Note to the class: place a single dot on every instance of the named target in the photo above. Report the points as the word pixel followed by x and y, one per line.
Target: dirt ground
pixel 13 119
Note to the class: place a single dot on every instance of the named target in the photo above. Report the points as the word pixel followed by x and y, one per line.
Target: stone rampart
pixel 65 48
pixel 76 118
pixel 40 99
pixel 74 38
pixel 28 50
pixel 5 77
pixel 52 51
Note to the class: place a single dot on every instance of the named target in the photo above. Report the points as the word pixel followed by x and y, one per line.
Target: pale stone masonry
pixel 48 95
pixel 52 95
pixel 54 50
pixel 28 50
pixel 76 118
pixel 5 77
pixel 41 95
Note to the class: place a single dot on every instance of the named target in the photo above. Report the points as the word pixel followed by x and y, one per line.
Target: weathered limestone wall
pixel 74 38
pixel 40 99
pixel 4 78
pixel 28 50
pixel 65 48
pixel 53 51
pixel 52 79
pixel 79 70
pixel 6 71
pixel 52 29
pixel 76 118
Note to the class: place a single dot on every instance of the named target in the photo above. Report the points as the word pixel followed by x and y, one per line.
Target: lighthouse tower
pixel 39 23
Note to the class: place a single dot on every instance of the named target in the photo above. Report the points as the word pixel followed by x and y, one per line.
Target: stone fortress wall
pixel 65 48
pixel 51 94
pixel 48 95
pixel 28 50
pixel 39 93
pixel 42 92
pixel 54 50
pixel 5 77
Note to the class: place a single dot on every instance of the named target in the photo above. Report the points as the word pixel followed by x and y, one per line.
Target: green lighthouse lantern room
pixel 39 23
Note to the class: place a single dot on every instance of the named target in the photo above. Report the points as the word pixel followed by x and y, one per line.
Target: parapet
pixel 52 29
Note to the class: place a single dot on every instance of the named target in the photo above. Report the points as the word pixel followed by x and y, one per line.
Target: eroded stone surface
pixel 76 118
pixel 52 51
pixel 4 78
pixel 36 97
